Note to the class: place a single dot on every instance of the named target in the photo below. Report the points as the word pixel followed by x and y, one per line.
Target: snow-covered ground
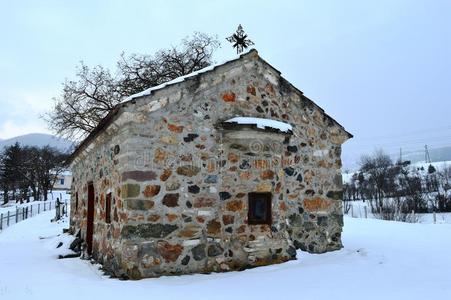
pixel 380 260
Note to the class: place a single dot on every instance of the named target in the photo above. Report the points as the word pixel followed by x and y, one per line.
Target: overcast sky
pixel 380 68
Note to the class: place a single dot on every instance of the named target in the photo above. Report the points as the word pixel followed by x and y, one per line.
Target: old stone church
pixel 227 168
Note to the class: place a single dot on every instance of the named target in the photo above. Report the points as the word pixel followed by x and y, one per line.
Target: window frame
pixel 252 197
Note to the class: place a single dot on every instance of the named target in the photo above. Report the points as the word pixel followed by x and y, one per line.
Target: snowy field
pixel 380 260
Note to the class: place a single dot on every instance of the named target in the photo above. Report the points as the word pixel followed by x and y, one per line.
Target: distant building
pixel 227 168
pixel 63 181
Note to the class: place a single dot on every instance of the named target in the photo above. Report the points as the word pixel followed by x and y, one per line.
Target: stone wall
pixel 180 181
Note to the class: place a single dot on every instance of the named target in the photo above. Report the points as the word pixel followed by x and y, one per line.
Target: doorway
pixel 90 218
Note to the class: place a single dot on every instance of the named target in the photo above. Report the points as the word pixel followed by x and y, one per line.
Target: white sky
pixel 381 68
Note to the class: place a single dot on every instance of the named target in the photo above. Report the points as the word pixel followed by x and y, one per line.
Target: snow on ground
pixel 380 260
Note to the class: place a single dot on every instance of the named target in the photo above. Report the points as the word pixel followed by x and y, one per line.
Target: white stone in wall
pixel 191 242
pixel 271 78
pixel 204 213
pixel 320 153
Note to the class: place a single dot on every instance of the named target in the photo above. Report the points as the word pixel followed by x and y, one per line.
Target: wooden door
pixel 90 219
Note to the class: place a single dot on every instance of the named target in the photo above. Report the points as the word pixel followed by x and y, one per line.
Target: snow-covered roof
pixel 262 123
pixel 149 91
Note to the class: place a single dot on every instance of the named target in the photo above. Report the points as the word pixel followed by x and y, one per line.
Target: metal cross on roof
pixel 240 40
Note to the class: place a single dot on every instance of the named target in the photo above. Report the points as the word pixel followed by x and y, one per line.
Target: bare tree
pixel 377 167
pixel 84 102
pixel 95 91
pixel 141 71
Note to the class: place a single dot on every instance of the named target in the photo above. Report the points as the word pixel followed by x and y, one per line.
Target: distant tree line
pixel 27 172
pixel 394 190
pixel 83 102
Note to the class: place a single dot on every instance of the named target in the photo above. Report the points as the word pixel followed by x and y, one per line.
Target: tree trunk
pixel 5 196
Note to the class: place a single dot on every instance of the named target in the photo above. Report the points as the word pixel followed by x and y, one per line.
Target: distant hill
pixel 39 140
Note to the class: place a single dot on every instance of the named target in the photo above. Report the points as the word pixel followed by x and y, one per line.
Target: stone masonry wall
pixel 101 165
pixel 180 181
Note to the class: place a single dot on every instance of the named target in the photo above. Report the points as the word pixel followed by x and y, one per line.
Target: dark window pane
pixel 259 208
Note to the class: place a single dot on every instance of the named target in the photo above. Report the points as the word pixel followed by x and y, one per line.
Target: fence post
pixel 1 222
pixel 31 210
pixel 17 214
pixel 7 220
pixel 352 211
pixel 44 205
pixel 366 212
pixel 435 217
pixel 39 208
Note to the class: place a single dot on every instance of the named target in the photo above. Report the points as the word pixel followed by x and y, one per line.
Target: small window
pixel 259 208
pixel 62 181
pixel 108 208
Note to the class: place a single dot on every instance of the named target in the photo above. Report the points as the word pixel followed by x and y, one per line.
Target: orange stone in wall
pixel 246 175
pixel 235 205
pixel 232 157
pixel 169 252
pixel 316 204
pixel 175 128
pixel 251 90
pixel 269 88
pixel 160 155
pixel 151 190
pixel 165 175
pixel 229 97
pixel 171 217
pixel 153 218
pixel 267 174
pixel 261 163
pixel 283 206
